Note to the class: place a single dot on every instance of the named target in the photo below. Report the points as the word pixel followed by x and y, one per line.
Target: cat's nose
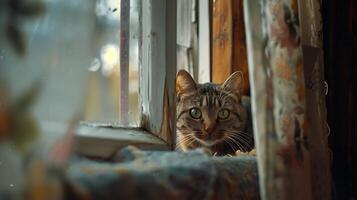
pixel 209 128
pixel 209 125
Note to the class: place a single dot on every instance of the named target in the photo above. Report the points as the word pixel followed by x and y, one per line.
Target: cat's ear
pixel 184 82
pixel 234 83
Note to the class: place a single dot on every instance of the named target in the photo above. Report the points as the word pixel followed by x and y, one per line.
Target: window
pixel 114 77
pixel 114 61
pixel 74 46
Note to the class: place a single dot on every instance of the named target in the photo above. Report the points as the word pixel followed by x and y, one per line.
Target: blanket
pixel 137 174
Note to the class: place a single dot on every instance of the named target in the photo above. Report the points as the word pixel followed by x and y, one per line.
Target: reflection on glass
pixel 74 49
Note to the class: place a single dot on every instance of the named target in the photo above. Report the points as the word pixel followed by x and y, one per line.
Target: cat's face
pixel 209 114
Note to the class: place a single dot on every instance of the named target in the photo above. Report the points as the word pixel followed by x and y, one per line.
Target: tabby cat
pixel 213 117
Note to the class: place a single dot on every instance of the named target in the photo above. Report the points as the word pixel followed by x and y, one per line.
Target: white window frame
pixel 157 90
pixel 204 42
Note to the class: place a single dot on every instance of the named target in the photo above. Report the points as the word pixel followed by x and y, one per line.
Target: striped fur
pixel 220 136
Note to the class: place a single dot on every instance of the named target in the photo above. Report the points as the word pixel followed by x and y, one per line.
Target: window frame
pixel 157 68
pixel 204 42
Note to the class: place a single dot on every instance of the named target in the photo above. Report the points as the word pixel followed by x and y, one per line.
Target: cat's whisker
pixel 241 138
pixel 229 144
pixel 237 143
pixel 243 147
pixel 245 136
pixel 191 142
pixel 243 143
pixel 186 138
pixel 183 141
pixel 186 142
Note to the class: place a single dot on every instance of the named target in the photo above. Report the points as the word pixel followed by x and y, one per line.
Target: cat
pixel 215 117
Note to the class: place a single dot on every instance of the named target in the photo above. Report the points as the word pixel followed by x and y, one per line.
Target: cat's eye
pixel 195 113
pixel 223 114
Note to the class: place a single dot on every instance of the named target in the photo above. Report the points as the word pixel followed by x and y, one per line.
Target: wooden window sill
pixel 104 140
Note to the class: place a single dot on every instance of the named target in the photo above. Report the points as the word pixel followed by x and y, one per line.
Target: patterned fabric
pixel 165 175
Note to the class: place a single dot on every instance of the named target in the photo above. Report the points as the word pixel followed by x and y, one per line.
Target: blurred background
pixel 73 48
pixel 60 63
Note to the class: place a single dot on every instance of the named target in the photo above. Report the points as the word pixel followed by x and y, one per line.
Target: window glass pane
pixel 74 49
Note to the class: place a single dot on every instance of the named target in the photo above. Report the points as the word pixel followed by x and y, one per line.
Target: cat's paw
pixel 253 152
